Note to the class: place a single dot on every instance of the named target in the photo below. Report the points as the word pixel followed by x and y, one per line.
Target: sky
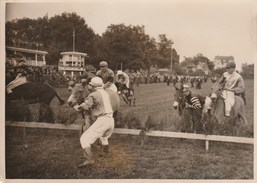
pixel 209 27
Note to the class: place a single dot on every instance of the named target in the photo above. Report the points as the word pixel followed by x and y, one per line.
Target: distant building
pixel 203 66
pixel 72 63
pixel 190 68
pixel 33 57
pixel 221 61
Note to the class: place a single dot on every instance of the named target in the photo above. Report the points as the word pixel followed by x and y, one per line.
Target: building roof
pixel 191 65
pixel 25 50
pixel 73 53
pixel 223 58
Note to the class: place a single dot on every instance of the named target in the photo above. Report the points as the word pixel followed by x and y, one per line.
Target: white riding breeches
pixel 229 100
pixel 102 128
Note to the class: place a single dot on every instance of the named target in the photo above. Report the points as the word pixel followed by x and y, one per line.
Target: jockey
pixel 192 100
pixel 123 78
pixel 71 84
pixel 107 76
pixel 233 85
pixel 21 67
pixel 99 103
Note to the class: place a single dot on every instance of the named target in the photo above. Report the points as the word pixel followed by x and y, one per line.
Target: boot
pixel 105 151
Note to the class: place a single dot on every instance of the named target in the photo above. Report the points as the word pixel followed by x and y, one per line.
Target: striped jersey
pixel 193 101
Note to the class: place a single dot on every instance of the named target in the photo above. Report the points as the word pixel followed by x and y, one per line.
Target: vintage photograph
pixel 128 90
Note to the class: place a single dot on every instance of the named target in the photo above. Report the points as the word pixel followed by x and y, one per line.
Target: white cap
pixel 96 81
pixel 83 80
pixel 71 83
pixel 119 72
pixel 185 87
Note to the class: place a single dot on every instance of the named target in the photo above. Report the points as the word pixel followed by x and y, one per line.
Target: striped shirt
pixel 194 102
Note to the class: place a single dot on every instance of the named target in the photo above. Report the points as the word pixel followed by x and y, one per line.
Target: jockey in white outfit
pixel 123 78
pixel 98 102
pixel 233 84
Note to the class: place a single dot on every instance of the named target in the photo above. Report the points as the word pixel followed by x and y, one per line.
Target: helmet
pixel 83 80
pixel 119 72
pixel 103 64
pixel 96 81
pixel 71 83
pixel 185 88
pixel 231 65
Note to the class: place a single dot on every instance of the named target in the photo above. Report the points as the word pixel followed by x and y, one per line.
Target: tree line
pixel 120 44
pixel 128 45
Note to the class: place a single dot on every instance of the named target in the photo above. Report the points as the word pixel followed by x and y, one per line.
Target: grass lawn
pixel 55 154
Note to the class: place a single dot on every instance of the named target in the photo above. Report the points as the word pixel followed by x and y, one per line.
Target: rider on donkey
pixel 233 85
pixel 123 78
pixel 21 70
pixel 107 76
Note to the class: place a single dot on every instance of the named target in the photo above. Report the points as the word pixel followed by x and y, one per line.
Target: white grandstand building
pixel 221 61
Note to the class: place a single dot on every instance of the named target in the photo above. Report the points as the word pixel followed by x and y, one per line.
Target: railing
pixel 206 138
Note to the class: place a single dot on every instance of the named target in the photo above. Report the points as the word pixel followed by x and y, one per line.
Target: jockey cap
pixel 185 88
pixel 119 72
pixel 71 83
pixel 83 80
pixel 103 64
pixel 96 82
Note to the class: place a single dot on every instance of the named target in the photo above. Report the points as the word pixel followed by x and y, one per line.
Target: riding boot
pixel 89 156
pixel 105 151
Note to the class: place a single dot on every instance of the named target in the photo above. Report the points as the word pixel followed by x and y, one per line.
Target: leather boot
pixel 105 151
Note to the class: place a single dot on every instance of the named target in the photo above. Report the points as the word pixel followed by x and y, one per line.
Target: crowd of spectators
pixel 54 77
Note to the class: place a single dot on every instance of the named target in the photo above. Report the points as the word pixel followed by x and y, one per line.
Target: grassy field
pixel 55 154
pixel 154 103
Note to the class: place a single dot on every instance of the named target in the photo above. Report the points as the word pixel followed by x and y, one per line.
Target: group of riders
pixel 232 84
pixel 100 104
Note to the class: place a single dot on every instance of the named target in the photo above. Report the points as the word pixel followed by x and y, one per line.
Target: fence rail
pixel 206 138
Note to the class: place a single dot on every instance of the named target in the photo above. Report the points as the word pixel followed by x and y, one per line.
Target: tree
pixel 247 71
pixel 127 45
pixel 164 53
pixel 53 35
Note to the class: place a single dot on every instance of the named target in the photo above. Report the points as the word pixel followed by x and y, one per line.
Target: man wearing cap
pixel 107 76
pixel 123 78
pixel 192 102
pixel 71 84
pixel 233 85
pixel 99 103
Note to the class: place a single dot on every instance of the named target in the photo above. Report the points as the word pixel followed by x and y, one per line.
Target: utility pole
pixel 73 35
pixel 171 56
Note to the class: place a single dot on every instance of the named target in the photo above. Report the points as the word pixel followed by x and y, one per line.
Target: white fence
pixel 206 138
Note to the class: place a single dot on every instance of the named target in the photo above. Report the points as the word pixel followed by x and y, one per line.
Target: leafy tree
pixel 164 53
pixel 127 45
pixel 53 35
pixel 247 71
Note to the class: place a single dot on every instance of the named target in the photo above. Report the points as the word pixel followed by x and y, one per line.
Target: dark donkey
pixel 34 92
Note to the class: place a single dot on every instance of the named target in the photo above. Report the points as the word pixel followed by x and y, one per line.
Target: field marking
pixel 207 138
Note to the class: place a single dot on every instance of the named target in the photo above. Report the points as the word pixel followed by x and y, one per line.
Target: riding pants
pixel 102 128
pixel 16 82
pixel 229 100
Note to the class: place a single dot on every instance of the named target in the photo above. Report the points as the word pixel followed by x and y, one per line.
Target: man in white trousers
pixel 99 103
pixel 233 85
